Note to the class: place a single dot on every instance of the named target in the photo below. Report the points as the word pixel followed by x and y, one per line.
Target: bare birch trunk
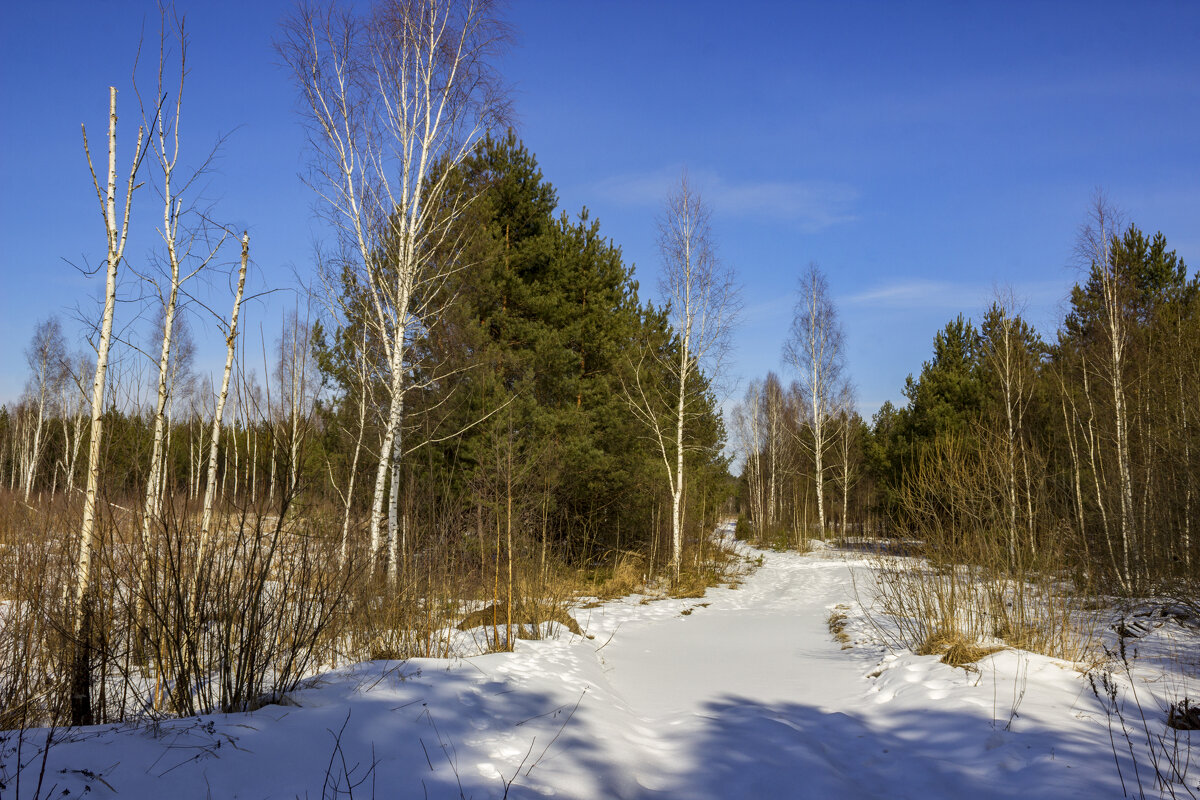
pixel 254 467
pixel 348 500
pixel 211 484
pixel 818 429
pixel 386 454
pixel 395 546
pixel 774 420
pixel 35 447
pixel 89 540
pixel 677 488
pixel 814 350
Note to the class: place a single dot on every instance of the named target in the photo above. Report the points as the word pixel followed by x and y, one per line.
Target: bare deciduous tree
pixel 814 351
pixel 1008 351
pixel 396 99
pixel 748 427
pixel 703 306
pixel 774 425
pixel 116 234
pixel 179 242
pixel 1094 249
pixel 210 487
pixel 46 357
pixel 73 405
pixel 297 376
pixel 847 449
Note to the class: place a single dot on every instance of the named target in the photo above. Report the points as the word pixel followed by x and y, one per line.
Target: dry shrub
pixel 271 605
pixel 971 587
pixel 34 582
pixel 714 566
pixel 414 616
pixel 164 633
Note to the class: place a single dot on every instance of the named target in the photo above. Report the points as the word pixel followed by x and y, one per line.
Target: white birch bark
pixel 1095 246
pixel 46 357
pixel 703 306
pixel 117 230
pixel 210 487
pixel 814 350
pixel 396 101
pixel 774 420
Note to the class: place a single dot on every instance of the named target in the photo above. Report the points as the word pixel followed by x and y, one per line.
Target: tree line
pixel 1078 449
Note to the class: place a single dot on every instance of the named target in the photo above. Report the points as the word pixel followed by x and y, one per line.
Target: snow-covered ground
pixel 742 694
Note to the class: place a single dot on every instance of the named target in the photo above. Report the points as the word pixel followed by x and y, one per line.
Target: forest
pixel 471 411
pixel 472 403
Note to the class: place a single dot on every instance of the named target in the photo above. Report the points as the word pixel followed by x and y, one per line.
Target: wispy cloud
pixel 813 206
pixel 921 293
pixel 910 293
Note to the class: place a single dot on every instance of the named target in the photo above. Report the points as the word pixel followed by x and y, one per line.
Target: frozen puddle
pixel 741 694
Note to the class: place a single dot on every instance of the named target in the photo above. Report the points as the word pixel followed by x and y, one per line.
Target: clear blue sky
pixel 921 153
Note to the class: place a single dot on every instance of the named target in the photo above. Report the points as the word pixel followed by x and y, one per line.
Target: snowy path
pixel 752 697
pixel 741 694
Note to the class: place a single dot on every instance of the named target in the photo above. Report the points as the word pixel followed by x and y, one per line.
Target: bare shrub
pixel 971 586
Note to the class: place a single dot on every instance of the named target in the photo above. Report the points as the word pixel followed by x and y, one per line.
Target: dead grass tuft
pixel 837 626
pixel 527 618
pixel 691 585
pixel 625 576
pixel 1183 716
pixel 955 649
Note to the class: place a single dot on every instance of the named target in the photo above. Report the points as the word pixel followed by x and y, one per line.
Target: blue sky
pixel 924 154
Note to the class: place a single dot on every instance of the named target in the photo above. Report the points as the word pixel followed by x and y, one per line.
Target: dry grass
pixel 690 585
pixel 625 575
pixel 526 618
pixel 271 605
pixel 837 626
pixel 719 566
pixel 955 649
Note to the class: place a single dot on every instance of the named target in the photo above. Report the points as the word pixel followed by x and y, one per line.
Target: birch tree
pixel 814 351
pixel 1095 250
pixel 182 259
pixel 703 305
pixel 747 419
pixel 297 376
pixel 395 98
pixel 210 486
pixel 773 424
pixel 73 406
pixel 46 357
pixel 1009 351
pixel 116 228
pixel 847 449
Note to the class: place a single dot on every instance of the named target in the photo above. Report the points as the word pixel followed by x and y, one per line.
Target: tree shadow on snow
pixel 754 750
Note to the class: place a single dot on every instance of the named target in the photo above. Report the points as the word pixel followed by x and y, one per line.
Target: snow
pixel 744 693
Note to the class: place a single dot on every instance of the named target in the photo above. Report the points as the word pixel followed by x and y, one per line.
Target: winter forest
pixel 475 506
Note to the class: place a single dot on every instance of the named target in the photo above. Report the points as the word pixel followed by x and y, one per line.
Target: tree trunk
pixel 89 540
pixel 677 489
pixel 210 488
